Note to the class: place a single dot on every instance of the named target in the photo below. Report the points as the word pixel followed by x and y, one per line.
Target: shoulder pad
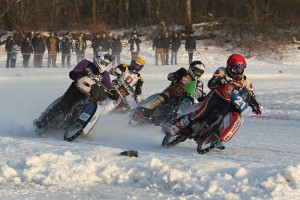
pixel 220 72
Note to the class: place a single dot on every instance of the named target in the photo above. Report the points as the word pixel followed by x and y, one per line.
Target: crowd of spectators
pixel 165 46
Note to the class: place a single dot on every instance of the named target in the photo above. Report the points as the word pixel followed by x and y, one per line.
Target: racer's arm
pixel 138 86
pixel 80 70
pixel 178 75
pixel 200 94
pixel 253 103
pixel 110 90
pixel 138 90
pixel 219 78
pixel 118 70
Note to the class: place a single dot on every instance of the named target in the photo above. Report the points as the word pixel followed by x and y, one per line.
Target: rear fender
pixel 230 124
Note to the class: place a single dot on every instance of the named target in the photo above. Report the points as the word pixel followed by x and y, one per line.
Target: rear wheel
pixel 73 131
pixel 207 143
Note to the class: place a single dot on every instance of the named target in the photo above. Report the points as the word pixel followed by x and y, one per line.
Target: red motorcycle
pixel 215 129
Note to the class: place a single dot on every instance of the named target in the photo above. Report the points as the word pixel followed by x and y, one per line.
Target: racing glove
pixel 226 79
pixel 137 98
pixel 113 94
pixel 77 75
pixel 256 107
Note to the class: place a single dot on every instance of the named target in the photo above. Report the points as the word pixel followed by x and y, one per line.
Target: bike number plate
pixel 84 117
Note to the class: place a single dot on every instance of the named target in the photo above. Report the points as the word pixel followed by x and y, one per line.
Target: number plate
pixel 84 117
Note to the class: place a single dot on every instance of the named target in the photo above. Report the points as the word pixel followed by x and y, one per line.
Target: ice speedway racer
pixel 141 115
pixel 218 118
pixel 83 115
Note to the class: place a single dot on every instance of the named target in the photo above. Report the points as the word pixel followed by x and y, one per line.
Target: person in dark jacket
pixel 10 42
pixel 190 46
pixel 158 46
pixel 53 49
pixel 176 43
pixel 116 49
pixel 66 49
pixel 96 43
pixel 26 50
pixel 104 43
pixel 134 46
pixel 167 45
pixel 38 49
pixel 97 69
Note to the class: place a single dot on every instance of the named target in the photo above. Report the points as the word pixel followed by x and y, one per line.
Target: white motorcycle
pixel 83 115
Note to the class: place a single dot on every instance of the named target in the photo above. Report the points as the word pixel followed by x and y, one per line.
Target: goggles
pixel 198 72
pixel 103 62
pixel 238 68
pixel 137 66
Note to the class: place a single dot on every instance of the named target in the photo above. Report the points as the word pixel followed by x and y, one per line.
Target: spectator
pixel 80 47
pixel 26 50
pixel 66 49
pixel 104 43
pixel 83 37
pixel 53 49
pixel 13 56
pixel 158 44
pixel 190 46
pixel 134 46
pixel 116 49
pixel 135 32
pixel 176 42
pixel 96 43
pixel 38 49
pixel 10 42
pixel 167 44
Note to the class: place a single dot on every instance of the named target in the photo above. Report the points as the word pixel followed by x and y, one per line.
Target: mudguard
pixel 94 113
pixel 230 124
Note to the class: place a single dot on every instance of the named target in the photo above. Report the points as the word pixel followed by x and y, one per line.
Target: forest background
pixel 255 25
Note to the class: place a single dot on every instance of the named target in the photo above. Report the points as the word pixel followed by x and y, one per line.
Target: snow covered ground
pixel 261 162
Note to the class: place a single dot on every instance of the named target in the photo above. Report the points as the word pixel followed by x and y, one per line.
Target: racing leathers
pixel 75 92
pixel 221 86
pixel 127 83
pixel 179 79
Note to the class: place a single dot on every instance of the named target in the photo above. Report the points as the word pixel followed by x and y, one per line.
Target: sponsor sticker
pixel 84 117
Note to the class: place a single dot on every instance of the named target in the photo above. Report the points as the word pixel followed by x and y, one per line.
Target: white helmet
pixel 196 69
pixel 102 60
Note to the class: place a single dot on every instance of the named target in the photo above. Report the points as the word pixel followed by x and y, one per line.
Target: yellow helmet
pixel 136 64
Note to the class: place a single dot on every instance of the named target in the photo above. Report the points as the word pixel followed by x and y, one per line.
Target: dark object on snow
pixel 129 153
pixel 280 71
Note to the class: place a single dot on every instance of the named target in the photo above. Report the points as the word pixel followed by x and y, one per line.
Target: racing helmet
pixel 102 60
pixel 136 64
pixel 196 69
pixel 235 67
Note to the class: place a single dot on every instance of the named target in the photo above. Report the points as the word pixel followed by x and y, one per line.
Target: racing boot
pixel 40 123
pixel 221 146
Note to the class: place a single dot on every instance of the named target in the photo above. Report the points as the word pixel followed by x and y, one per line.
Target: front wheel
pixel 172 140
pixel 73 131
pixel 207 143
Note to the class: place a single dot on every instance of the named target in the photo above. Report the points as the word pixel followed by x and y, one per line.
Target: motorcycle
pixel 217 128
pixel 82 116
pixel 171 108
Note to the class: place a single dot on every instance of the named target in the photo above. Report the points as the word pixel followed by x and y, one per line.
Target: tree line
pixel 90 14
pixel 231 20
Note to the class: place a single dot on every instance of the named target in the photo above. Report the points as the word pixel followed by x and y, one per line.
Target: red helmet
pixel 236 65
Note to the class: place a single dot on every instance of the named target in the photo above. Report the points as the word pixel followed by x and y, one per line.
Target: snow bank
pixel 70 170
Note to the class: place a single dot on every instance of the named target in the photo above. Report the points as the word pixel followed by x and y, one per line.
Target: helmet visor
pixel 238 68
pixel 198 72
pixel 137 66
pixel 103 62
